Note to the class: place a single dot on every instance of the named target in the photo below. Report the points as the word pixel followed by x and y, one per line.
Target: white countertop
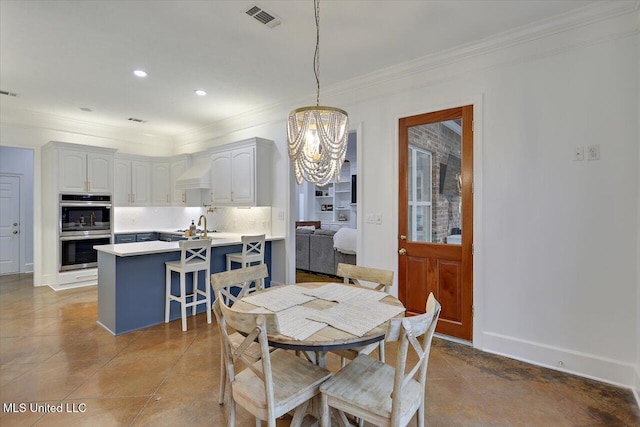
pixel 156 246
pixel 154 230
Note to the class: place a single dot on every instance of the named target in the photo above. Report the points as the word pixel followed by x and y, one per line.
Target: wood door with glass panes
pixel 436 216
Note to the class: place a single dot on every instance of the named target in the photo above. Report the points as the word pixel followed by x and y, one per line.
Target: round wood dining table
pixel 328 338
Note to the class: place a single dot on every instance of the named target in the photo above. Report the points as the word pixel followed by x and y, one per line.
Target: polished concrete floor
pixel 52 352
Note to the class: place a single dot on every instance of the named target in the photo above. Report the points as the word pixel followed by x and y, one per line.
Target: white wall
pixel 637 376
pixel 19 161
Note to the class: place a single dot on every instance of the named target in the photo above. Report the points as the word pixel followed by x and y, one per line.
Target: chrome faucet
pixel 205 224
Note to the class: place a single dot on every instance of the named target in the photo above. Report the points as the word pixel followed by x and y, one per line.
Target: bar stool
pixel 252 252
pixel 195 257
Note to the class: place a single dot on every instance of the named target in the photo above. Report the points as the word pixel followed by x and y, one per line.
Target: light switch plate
pixel 593 152
pixel 578 153
pixel 378 218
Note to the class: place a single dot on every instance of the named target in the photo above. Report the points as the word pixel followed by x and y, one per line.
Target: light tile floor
pixel 53 352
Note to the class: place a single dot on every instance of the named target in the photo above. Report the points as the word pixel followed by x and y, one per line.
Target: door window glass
pixel 435 183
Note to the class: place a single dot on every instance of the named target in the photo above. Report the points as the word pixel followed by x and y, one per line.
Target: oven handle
pixel 85 237
pixel 87 205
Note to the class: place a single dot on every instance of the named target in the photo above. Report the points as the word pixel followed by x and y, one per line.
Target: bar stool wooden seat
pixel 252 252
pixel 195 257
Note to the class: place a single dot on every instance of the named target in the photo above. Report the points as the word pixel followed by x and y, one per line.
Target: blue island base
pixel 131 289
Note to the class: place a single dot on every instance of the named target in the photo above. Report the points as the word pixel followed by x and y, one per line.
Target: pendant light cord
pixel 316 55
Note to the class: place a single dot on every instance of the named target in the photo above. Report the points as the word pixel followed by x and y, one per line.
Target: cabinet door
pixel 100 173
pixel 122 183
pixel 141 183
pixel 178 195
pixel 72 169
pixel 161 184
pixel 243 171
pixel 221 178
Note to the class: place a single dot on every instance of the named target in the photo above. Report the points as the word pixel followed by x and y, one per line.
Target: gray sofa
pixel 315 252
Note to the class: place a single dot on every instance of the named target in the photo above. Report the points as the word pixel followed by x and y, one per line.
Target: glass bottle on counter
pixel 192 228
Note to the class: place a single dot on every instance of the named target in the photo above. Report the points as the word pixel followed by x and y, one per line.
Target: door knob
pixel 402 251
pixel 15 231
pixel 403 237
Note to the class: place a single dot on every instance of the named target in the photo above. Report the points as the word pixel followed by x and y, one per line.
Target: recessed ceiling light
pixel 200 92
pixel 140 73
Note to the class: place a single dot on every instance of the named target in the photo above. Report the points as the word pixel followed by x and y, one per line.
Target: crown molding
pixel 436 68
pixel 33 120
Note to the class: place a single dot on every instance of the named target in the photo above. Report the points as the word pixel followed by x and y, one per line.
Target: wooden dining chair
pixel 383 280
pixel 379 393
pixel 228 287
pixel 271 383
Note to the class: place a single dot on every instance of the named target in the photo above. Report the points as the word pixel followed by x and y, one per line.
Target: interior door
pixel 9 224
pixel 436 216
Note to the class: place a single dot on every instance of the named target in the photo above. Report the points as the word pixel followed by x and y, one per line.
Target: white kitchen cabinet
pixel 221 178
pixel 132 182
pixel 178 195
pixel 84 172
pixel 241 173
pixel 161 183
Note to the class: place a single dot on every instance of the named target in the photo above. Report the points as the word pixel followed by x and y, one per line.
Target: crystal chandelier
pixel 317 135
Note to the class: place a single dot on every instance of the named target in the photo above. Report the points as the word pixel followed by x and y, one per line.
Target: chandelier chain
pixel 316 55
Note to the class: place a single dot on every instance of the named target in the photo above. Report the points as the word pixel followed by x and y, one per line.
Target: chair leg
pixel 325 418
pixel 194 299
pixel 420 415
pixel 232 412
pixel 299 414
pixel 208 294
pixel 167 304
pixel 183 300
pixel 223 378
pixel 228 264
pixel 381 351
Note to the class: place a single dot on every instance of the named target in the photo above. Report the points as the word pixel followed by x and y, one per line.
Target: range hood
pixel 197 176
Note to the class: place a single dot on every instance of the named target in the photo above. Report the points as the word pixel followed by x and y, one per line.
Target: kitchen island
pixel 131 279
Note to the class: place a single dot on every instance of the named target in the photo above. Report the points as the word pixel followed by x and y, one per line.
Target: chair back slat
pixel 416 333
pixel 242 281
pixel 253 245
pixel 194 250
pixel 256 326
pixel 382 278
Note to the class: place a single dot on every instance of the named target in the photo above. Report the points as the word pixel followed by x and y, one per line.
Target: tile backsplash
pixel 229 219
pixel 239 220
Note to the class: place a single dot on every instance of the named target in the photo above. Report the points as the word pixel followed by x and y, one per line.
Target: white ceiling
pixel 59 56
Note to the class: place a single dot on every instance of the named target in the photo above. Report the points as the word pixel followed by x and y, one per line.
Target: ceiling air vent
pixel 4 92
pixel 266 18
pixel 133 119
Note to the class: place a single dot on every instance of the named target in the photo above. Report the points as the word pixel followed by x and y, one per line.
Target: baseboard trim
pixel 28 267
pixel 57 288
pixel 107 329
pixel 582 364
pixel 636 388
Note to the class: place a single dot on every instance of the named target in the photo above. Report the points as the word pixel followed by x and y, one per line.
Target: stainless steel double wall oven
pixel 85 221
